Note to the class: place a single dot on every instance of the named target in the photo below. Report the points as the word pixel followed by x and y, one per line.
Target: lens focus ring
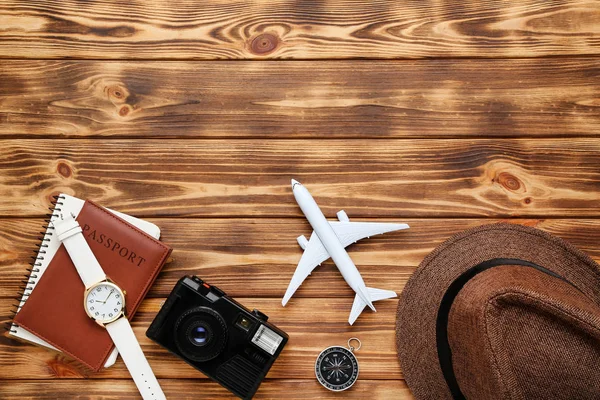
pixel 200 334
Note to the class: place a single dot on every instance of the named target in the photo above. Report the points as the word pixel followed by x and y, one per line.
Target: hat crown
pixel 501 311
pixel 517 332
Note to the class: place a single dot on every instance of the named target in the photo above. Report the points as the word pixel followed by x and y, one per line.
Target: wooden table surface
pixel 195 115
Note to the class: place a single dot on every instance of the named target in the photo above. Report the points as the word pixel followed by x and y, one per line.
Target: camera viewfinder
pixel 243 322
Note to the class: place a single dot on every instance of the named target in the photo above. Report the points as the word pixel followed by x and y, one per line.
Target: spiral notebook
pixel 47 249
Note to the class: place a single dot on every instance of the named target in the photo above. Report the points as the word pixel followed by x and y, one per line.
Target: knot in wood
pixel 61 368
pixel 123 111
pixel 53 195
pixel 64 170
pixel 117 93
pixel 264 43
pixel 509 181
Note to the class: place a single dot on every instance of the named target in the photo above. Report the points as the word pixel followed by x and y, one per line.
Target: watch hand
pixel 105 300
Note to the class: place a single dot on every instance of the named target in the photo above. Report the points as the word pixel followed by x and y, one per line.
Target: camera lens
pixel 200 334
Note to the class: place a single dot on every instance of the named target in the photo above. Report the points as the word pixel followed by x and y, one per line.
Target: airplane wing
pixel 314 254
pixel 352 232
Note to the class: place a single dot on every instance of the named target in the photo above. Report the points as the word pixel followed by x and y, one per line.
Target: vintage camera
pixel 218 336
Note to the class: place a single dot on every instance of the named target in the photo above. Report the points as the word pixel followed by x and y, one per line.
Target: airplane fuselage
pixel 331 242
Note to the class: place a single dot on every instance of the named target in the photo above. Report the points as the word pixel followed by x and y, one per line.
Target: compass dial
pixel 336 368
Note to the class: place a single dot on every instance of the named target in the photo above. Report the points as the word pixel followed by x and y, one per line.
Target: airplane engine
pixel 302 241
pixel 342 216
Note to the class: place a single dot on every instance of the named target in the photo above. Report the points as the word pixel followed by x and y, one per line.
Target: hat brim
pixel 421 298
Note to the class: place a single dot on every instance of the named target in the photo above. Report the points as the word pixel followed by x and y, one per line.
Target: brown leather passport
pixel 54 311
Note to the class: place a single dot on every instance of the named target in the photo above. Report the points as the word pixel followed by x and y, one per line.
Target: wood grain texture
pixel 307 340
pixel 161 29
pixel 256 258
pixel 111 389
pixel 383 178
pixel 441 114
pixel 346 99
pixel 376 330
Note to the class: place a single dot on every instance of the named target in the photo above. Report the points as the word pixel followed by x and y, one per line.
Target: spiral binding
pixel 36 261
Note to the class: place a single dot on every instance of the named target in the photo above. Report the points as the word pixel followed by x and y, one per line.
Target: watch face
pixel 336 368
pixel 104 302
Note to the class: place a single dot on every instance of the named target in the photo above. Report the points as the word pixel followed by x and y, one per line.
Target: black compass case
pixel 336 368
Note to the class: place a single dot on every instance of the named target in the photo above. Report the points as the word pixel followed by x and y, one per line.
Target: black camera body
pixel 218 336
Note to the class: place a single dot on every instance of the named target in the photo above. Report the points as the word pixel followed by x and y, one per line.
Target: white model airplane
pixel 329 239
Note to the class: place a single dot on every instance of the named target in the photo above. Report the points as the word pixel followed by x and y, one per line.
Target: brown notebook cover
pixel 54 311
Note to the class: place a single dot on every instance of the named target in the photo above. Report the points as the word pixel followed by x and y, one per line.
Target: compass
pixel 337 367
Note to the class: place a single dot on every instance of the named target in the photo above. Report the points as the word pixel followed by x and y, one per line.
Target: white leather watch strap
pixel 122 335
pixel 69 233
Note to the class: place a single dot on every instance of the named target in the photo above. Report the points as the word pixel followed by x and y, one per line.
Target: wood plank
pixel 258 29
pixel 383 178
pixel 307 333
pixel 194 389
pixel 312 324
pixel 257 257
pixel 346 99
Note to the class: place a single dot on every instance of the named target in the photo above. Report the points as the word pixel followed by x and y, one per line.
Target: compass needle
pixel 336 367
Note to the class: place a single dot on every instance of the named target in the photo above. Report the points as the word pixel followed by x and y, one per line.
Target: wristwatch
pixel 104 302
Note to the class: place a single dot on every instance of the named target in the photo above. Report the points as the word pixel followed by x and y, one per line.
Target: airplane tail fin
pixel 375 295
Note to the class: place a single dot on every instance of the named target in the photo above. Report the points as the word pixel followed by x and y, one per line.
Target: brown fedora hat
pixel 502 311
